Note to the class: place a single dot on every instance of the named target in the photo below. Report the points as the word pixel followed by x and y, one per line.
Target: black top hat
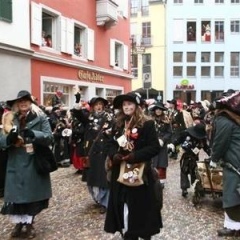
pixel 131 97
pixel 173 101
pixel 21 94
pixel 159 106
pixel 198 131
pixel 95 99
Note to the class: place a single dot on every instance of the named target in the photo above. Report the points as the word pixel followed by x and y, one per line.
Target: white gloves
pixel 212 164
pixel 161 142
pixel 171 147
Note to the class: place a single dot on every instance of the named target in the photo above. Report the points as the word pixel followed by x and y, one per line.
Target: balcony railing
pixel 106 12
pixel 146 40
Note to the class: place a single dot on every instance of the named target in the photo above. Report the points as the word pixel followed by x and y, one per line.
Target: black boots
pixel 225 232
pixel 30 231
pixel 17 230
pixel 24 231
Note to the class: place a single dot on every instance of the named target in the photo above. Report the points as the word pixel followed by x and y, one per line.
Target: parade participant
pixel 27 192
pixel 97 125
pixel 133 209
pixel 164 132
pixel 226 147
pixel 192 140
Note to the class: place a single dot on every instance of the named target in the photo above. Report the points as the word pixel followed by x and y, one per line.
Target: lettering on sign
pixel 90 76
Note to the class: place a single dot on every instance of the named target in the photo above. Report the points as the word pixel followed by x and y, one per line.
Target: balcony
pixel 106 14
pixel 147 41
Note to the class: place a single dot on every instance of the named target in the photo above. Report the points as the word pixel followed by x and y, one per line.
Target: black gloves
pixel 128 158
pixel 78 97
pixel 12 137
pixel 27 133
pixel 117 158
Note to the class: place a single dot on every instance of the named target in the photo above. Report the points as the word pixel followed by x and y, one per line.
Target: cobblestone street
pixel 72 215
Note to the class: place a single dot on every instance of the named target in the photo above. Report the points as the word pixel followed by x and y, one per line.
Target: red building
pixel 79 43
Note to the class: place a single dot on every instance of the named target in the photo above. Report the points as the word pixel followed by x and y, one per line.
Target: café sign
pixel 184 85
pixel 90 76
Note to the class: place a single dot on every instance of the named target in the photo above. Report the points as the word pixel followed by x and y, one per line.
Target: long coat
pixel 144 214
pixel 23 183
pixel 226 147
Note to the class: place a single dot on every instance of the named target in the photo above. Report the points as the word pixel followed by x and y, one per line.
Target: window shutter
pixel 112 52
pixel 90 44
pixel 125 57
pixel 6 10
pixel 63 34
pixel 70 36
pixel 36 24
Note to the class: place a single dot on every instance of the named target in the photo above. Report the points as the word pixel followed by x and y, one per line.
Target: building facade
pixel 148 47
pixel 202 48
pixel 15 52
pixel 70 44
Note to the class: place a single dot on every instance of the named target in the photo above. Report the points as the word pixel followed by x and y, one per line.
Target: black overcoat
pixel 144 213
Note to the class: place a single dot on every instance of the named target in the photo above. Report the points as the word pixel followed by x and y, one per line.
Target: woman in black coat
pixel 133 209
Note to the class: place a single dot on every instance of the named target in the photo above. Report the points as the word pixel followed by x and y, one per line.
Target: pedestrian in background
pixel 226 147
pixel 27 192
pixel 133 209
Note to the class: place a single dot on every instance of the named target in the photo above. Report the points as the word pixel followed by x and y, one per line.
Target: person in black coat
pixel 133 208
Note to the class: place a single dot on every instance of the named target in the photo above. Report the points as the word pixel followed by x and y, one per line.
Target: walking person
pixel 133 209
pixel 226 147
pixel 164 132
pixel 27 192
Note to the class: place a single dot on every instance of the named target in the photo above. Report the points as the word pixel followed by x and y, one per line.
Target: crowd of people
pixel 121 149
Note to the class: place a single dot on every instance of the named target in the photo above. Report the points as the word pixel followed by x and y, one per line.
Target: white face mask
pixel 128 108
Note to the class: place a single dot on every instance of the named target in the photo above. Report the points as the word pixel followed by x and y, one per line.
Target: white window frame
pixel 36 26
pixel 123 55
pixel 236 25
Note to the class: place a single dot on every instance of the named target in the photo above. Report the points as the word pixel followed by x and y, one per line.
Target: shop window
pixel 177 71
pixel 219 31
pixel 118 54
pixel 6 10
pixel 219 71
pixel 111 94
pixel 206 31
pixel 205 57
pixel 234 72
pixel 219 57
pixel 177 57
pixel 234 25
pixel 49 90
pixel 191 56
pixel 211 95
pixel 205 71
pixel 191 71
pixel 191 31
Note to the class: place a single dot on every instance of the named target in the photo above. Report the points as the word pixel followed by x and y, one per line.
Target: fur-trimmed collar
pixel 233 116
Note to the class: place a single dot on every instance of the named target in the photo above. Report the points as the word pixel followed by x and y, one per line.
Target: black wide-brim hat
pixel 95 99
pixel 173 101
pixel 198 131
pixel 159 106
pixel 21 94
pixel 131 97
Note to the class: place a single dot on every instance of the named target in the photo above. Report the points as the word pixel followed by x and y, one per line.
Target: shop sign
pixel 90 76
pixel 185 85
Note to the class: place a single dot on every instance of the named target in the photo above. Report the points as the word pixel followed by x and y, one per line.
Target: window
pixel 134 65
pixel 146 59
pixel 191 31
pixel 234 64
pixel 80 40
pixel 134 8
pixel 6 10
pixel 219 31
pixel 219 57
pixel 191 57
pixel 205 57
pixel 177 57
pixel 178 1
pixel 235 1
pixel 177 71
pixel 146 33
pixel 235 26
pixel 191 71
pixel 145 8
pixel 205 71
pixel 206 31
pixel 118 54
pixel 198 1
pixel 219 1
pixel 49 90
pixel 218 71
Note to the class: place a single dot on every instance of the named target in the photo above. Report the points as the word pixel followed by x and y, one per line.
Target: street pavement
pixel 73 215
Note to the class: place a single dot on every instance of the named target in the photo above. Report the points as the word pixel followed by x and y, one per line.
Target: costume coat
pixel 226 147
pixel 23 183
pixel 144 213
